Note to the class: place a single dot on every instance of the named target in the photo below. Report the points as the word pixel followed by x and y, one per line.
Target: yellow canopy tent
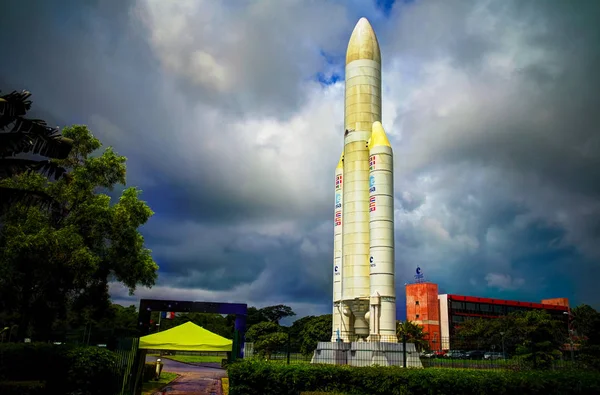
pixel 186 337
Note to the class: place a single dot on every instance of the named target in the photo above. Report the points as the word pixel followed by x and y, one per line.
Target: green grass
pixel 153 386
pixel 321 393
pixel 195 358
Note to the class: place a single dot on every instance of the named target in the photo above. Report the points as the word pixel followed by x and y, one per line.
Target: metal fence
pixel 126 351
pixel 522 357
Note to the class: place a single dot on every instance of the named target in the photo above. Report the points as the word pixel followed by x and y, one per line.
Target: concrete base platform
pixel 366 354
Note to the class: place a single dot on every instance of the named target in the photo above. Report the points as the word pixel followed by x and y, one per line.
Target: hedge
pixel 263 378
pixel 63 369
pixel 22 388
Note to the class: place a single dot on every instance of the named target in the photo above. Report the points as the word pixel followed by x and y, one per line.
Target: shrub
pixel 27 361
pixel 22 388
pixel 259 378
pixel 65 369
pixel 90 371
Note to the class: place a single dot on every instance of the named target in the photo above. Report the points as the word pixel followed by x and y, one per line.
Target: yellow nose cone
pixel 363 43
pixel 378 136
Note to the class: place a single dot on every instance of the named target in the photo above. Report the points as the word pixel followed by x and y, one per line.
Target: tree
pixel 276 313
pixel 268 344
pixel 316 329
pixel 413 333
pixel 541 337
pixel 586 321
pixel 48 267
pixel 27 136
pixel 256 331
pixel 268 337
pixel 532 335
pixel 295 331
pixel 254 316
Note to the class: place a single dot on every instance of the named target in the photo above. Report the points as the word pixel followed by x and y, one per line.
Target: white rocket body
pixel 364 293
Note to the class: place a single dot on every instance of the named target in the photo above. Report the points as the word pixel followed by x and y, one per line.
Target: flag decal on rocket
pixel 372 205
pixel 372 162
pixel 338 182
pixel 338 218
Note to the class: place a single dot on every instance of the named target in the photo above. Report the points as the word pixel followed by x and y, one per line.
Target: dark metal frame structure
pixel 147 306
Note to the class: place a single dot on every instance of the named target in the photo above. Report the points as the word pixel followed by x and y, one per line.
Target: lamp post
pixel 570 328
pixel 503 355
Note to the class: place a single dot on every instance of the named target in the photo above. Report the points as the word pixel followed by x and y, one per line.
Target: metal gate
pixel 126 351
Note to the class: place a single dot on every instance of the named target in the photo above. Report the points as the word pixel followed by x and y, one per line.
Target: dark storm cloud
pixel 500 134
pixel 492 114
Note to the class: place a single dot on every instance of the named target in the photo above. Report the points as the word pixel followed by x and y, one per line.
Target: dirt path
pixel 193 380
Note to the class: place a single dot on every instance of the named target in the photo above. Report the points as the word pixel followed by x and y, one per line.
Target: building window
pixel 417 316
pixel 417 302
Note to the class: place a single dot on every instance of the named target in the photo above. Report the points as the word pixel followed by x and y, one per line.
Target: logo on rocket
pixel 372 184
pixel 338 200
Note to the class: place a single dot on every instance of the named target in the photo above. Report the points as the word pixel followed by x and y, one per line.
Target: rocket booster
pixel 364 294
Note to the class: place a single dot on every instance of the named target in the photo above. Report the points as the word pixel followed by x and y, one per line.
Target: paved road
pixel 196 380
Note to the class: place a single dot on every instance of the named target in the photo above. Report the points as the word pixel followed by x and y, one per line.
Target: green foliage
pixel 276 313
pixel 534 335
pixel 414 334
pixel 89 370
pixel 51 266
pixel 268 337
pixel 586 321
pixel 269 313
pixel 254 377
pixel 22 388
pixel 65 369
pixel 257 331
pixel 315 330
pixel 19 135
pixel 540 337
pixel 16 361
pixel 268 344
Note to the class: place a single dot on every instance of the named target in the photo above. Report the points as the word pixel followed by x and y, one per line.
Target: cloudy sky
pixel 231 116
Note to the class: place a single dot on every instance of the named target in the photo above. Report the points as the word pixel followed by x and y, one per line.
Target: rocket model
pixel 363 280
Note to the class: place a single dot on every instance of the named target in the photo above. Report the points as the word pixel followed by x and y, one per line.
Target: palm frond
pixel 34 136
pixel 12 166
pixel 13 105
pixel 28 135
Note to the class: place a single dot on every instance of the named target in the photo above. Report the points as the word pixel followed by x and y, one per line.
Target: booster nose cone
pixel 363 43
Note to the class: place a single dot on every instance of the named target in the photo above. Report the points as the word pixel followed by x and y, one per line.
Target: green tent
pixel 186 337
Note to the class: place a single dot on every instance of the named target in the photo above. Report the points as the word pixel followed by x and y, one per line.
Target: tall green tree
pixel 268 337
pixel 317 329
pixel 19 136
pixel 48 267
